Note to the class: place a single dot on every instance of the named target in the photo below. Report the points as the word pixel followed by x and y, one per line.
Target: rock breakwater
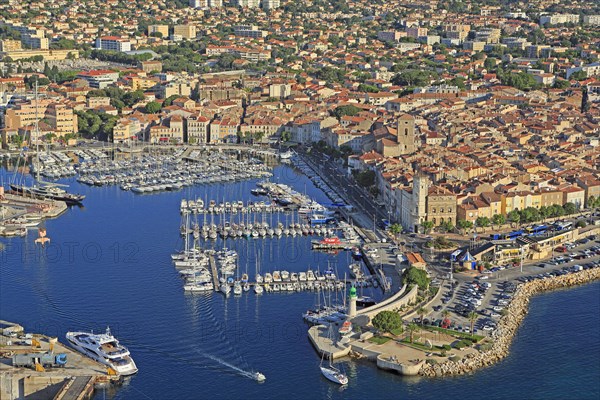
pixel 508 325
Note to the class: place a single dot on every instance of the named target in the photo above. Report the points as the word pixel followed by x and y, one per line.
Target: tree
pixel 579 75
pixel 472 316
pixel 395 229
pixel 422 311
pixel 152 107
pixel 561 84
pixel 482 222
pixel 446 226
pixel 580 224
pixel 570 208
pixel 387 321
pixel 498 219
pixel 416 276
pixel 464 225
pixel 514 217
pixel 412 328
pixel 427 226
pixel 286 136
pixel 349 109
pixel 490 63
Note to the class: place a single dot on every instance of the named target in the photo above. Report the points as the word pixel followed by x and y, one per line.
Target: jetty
pixel 75 380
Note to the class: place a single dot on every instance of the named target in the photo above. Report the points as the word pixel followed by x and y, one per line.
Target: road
pixel 347 189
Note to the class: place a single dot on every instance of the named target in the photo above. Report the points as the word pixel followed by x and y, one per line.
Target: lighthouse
pixel 352 305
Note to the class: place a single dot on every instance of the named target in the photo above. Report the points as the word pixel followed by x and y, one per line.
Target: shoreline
pixel 508 325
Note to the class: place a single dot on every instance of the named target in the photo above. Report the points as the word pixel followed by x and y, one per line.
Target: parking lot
pixel 489 293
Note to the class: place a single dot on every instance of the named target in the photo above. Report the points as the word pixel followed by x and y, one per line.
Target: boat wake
pixel 248 374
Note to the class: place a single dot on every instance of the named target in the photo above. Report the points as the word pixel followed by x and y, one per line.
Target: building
pixel 99 79
pixel 441 206
pixel 250 31
pixel 555 19
pixel 150 66
pixel 197 129
pixel 113 43
pixel 48 55
pixel 198 3
pixel 162 29
pixel 62 119
pixel 419 201
pixel 215 3
pixel 247 3
pixel 270 4
pixel 407 140
pixel 390 36
pixel 10 45
pixel 186 31
pixel 32 41
pixel 591 19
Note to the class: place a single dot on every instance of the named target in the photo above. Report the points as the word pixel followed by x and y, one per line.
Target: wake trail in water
pixel 239 371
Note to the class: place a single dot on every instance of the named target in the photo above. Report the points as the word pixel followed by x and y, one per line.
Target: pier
pixel 74 381
pixel 214 272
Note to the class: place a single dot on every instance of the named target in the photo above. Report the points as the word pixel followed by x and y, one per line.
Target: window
pixel 442 209
pixel 406 132
pixel 434 210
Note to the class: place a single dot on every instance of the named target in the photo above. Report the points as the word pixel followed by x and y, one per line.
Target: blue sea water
pixel 108 264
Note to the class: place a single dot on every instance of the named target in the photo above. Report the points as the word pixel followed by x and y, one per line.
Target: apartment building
pixel 62 119
pixel 186 31
pixel 99 79
pixel 555 19
pixel 250 31
pixel 162 29
pixel 197 129
pixel 591 19
pixel 114 43
pixel 10 45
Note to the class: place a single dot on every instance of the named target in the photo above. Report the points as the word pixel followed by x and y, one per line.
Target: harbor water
pixel 108 263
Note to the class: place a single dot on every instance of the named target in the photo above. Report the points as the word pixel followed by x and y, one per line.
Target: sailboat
pixel 332 373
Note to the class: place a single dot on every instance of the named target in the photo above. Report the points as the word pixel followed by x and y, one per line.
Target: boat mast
pixel 37 133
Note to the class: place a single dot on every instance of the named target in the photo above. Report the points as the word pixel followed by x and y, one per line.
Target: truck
pixel 44 359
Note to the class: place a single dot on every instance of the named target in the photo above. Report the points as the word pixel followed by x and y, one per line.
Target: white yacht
pixel 105 349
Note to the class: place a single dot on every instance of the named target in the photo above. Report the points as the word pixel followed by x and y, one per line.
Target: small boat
pixel 258 289
pixel 259 377
pixel 346 328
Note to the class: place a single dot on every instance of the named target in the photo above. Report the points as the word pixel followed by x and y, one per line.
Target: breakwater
pixel 508 325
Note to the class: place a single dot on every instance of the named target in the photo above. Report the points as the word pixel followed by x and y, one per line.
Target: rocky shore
pixel 508 325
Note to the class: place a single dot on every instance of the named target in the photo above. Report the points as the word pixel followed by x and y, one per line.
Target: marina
pixel 130 281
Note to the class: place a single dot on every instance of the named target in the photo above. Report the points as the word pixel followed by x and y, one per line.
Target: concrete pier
pixel 73 381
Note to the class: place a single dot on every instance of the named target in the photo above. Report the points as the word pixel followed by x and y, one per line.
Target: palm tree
pixel 412 328
pixel 422 311
pixel 472 318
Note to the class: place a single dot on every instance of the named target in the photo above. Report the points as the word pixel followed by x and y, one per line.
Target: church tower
pixel 419 200
pixel 406 134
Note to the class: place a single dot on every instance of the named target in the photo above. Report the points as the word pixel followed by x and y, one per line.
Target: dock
pixel 76 380
pixel 214 272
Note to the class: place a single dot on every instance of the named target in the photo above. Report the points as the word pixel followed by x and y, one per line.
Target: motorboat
pixel 105 349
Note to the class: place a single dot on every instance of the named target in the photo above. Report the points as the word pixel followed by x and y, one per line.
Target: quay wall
pixel 509 324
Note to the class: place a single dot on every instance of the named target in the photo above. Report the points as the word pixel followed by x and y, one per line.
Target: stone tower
pixel 406 134
pixel 419 200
